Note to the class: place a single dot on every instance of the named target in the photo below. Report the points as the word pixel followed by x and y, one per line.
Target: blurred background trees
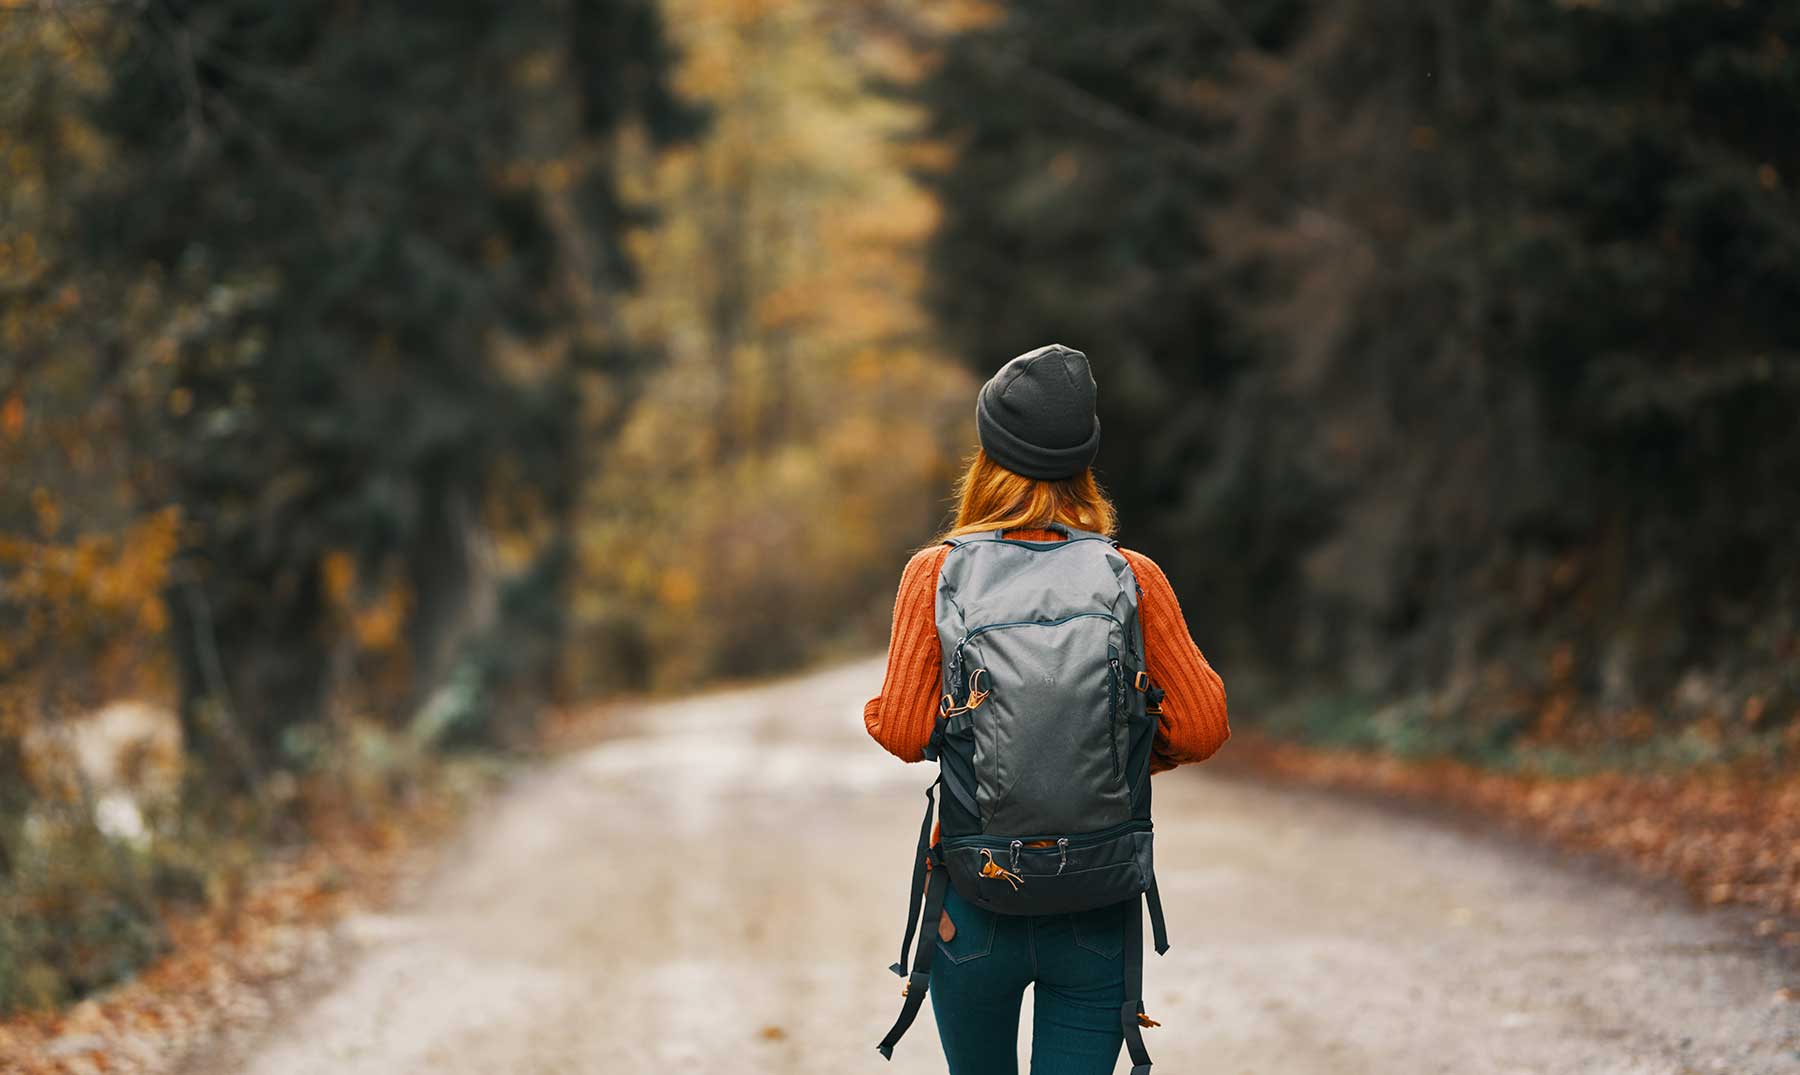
pixel 1447 350
pixel 376 374
pixel 352 212
pixel 802 433
pixel 302 304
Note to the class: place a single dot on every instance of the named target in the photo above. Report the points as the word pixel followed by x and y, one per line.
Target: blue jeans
pixel 1077 965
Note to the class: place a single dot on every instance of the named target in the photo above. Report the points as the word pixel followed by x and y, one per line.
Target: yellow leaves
pixel 94 586
pixel 783 275
pixel 20 255
pixel 338 572
pixel 12 417
pixel 515 550
pixel 48 513
pixel 377 623
pixel 751 11
pixel 786 306
pixel 967 14
pixel 678 588
pixel 933 155
pixel 380 625
pixel 556 176
pixel 708 74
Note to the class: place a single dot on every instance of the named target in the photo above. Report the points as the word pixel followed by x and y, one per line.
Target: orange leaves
pixel 49 514
pixel 265 921
pixel 12 417
pixel 678 588
pixel 377 621
pixel 95 584
pixel 1728 835
pixel 380 625
pixel 339 573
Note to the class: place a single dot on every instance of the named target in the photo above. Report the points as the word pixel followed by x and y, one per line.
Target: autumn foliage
pixel 376 377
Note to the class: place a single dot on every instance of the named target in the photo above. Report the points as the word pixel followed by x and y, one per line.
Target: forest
pixel 380 381
pixel 1454 343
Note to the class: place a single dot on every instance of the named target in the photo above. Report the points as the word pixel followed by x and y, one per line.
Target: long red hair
pixel 990 497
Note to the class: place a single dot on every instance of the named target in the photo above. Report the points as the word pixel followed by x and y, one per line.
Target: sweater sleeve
pixel 900 718
pixel 1193 724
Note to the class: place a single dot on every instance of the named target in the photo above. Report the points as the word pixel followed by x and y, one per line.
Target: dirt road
pixel 721 886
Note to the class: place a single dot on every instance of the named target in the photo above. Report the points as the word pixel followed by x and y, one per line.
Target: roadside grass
pixel 1511 741
pixel 81 911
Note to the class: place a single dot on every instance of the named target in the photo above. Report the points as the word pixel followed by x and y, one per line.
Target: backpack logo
pixel 1049 679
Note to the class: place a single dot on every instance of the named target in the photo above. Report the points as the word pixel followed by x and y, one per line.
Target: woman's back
pixel 1050 782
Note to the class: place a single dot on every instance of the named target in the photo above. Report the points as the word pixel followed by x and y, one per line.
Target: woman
pixel 1038 434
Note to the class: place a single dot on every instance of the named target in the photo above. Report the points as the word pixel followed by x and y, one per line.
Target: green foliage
pixel 1411 727
pixel 75 920
pixel 1078 209
pixel 1419 727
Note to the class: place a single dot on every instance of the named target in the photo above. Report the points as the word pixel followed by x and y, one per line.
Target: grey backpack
pixel 1043 741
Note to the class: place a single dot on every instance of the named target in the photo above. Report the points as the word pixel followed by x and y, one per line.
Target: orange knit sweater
pixel 901 717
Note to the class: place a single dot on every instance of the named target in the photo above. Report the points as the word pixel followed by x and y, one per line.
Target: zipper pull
pixel 1017 846
pixel 990 868
pixel 1062 848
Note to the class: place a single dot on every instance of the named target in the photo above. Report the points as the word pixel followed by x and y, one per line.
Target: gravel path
pixel 720 887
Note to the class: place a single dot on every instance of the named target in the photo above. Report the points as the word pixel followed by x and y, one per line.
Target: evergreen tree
pixel 1090 152
pixel 1434 338
pixel 353 204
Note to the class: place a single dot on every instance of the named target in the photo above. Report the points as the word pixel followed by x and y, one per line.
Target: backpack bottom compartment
pixel 1003 875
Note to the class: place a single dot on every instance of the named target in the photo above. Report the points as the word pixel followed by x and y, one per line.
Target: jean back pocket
pixel 974 930
pixel 1102 930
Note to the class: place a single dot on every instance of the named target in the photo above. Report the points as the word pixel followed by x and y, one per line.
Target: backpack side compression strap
pixel 1159 930
pixel 915 894
pixel 920 980
pixel 1134 990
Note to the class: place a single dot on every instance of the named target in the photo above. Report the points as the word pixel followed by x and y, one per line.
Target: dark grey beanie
pixel 1036 416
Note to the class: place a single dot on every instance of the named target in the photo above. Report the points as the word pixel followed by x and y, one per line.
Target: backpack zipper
pixel 1113 697
pixel 957 654
pixel 986 627
pixel 1075 842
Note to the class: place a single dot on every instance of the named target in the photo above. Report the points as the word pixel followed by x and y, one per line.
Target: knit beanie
pixel 1036 416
